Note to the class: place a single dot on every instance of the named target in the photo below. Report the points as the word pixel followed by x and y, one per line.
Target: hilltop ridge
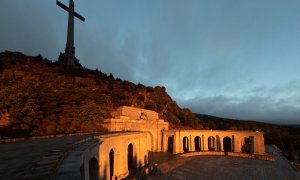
pixel 39 96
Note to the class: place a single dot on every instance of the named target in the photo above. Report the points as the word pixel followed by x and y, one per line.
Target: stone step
pixel 40 175
pixel 178 176
pixel 45 162
pixel 49 158
pixel 54 154
pixel 58 150
pixel 19 175
pixel 42 168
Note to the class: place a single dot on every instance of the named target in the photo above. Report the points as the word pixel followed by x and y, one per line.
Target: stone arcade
pixel 138 131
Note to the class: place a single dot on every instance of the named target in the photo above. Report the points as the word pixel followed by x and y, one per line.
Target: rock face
pixel 39 96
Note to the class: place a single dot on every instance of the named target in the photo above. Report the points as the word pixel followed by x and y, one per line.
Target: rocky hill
pixel 39 96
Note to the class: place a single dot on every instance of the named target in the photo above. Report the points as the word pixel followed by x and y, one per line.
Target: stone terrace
pixel 36 158
pixel 222 167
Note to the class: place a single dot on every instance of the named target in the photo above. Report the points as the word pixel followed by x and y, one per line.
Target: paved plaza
pixel 38 158
pixel 33 159
pixel 223 168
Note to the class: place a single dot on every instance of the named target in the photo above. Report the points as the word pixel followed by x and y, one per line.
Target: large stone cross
pixel 70 49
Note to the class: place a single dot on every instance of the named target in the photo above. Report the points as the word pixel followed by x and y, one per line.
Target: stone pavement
pixel 35 158
pixel 231 168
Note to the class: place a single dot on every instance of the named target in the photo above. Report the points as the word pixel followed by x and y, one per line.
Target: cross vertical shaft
pixel 70 49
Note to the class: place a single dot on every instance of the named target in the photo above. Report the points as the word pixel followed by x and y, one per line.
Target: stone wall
pixel 135 113
pixel 134 119
pixel 236 139
pixel 143 131
pixel 119 143
pixel 79 164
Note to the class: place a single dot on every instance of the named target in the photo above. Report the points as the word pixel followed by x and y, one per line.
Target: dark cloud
pixel 231 59
pixel 278 104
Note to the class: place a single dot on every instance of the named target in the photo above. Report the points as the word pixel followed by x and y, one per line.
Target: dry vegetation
pixel 40 97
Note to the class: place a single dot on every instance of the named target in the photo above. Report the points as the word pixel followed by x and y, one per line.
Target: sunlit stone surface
pixel 133 133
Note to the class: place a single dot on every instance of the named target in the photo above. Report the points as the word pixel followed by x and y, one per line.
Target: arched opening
pixel 227 144
pixel 170 144
pixel 111 163
pixel 131 156
pixel 248 145
pixel 197 143
pixel 185 144
pixel 93 169
pixel 211 143
pixel 146 159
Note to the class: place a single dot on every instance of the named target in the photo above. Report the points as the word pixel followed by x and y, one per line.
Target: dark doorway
pixel 248 146
pixel 131 158
pixel 93 169
pixel 111 163
pixel 197 143
pixel 185 144
pixel 170 144
pixel 211 143
pixel 218 143
pixel 227 144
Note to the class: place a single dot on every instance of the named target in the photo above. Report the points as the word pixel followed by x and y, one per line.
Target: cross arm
pixel 79 16
pixel 68 10
pixel 62 6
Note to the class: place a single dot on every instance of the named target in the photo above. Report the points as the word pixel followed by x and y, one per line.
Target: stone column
pixel 164 142
pixel 174 144
pixel 216 144
pixel 177 140
pixel 192 144
pixel 259 145
pixel 205 141
pixel 237 144
pixel 221 143
pixel 232 143
pixel 187 141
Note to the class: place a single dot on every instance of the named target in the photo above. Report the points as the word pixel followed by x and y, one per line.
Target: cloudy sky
pixel 229 58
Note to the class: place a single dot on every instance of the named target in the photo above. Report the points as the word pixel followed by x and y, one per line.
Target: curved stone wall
pixel 119 144
pixel 93 161
pixel 119 152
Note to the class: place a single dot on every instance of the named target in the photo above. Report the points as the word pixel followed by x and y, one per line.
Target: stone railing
pixel 280 152
pixel 233 154
pixel 43 137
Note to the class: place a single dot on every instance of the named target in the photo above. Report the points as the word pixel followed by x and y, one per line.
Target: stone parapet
pixel 135 113
pixel 11 140
pixel 233 154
